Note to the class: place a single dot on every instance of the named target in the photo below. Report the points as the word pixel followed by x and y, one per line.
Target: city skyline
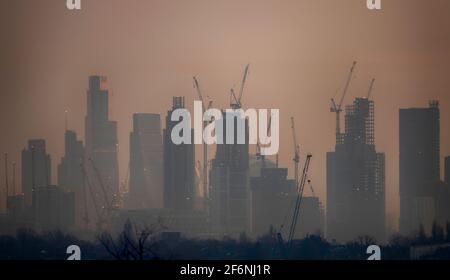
pixel 408 73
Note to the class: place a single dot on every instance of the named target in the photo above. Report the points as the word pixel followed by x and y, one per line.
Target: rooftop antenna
pixel 65 119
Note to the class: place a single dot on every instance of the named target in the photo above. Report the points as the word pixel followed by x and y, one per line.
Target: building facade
pixel 36 168
pixel 146 163
pixel 179 167
pixel 356 179
pixel 70 174
pixel 419 167
pixel 230 184
pixel 101 145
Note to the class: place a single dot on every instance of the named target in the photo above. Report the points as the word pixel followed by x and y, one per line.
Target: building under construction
pixel 356 178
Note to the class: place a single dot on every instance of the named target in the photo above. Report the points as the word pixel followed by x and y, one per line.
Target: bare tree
pixel 133 243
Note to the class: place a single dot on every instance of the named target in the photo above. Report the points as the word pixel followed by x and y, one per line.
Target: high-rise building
pixel 146 163
pixel 36 168
pixel 230 184
pixel 356 179
pixel 179 167
pixel 70 174
pixel 271 196
pixel 54 208
pixel 101 144
pixel 419 167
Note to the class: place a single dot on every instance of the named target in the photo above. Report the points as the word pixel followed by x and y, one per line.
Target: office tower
pixel 179 167
pixel 70 175
pixel 419 167
pixel 101 144
pixel 271 197
pixel 230 184
pixel 311 220
pixel 146 163
pixel 54 208
pixel 356 179
pixel 36 168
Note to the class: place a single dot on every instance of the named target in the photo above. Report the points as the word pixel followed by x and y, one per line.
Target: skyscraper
pixel 36 168
pixel 179 167
pixel 70 175
pixel 356 179
pixel 230 184
pixel 101 143
pixel 146 163
pixel 419 166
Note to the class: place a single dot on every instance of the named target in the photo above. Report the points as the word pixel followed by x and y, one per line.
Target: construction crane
pixel 369 93
pixel 205 147
pixel 108 203
pixel 296 158
pixel 337 108
pixel 298 201
pixel 311 188
pixel 100 218
pixel 237 102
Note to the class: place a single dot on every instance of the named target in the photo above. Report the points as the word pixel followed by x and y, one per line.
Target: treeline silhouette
pixel 148 242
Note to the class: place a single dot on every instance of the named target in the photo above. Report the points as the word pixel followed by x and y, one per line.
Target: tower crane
pixel 100 219
pixel 311 188
pixel 369 93
pixel 237 103
pixel 204 146
pixel 298 201
pixel 337 108
pixel 296 158
pixel 108 203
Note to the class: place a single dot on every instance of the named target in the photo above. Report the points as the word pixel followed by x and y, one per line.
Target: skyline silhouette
pixel 298 63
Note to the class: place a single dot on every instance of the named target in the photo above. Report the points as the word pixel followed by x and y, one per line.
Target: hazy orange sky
pixel 300 52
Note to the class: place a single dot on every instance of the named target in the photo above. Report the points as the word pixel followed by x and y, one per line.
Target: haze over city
pixel 299 52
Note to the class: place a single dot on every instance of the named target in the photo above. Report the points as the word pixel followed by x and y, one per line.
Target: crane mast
pixel 237 103
pixel 298 202
pixel 204 146
pixel 337 108
pixel 296 158
pixel 369 93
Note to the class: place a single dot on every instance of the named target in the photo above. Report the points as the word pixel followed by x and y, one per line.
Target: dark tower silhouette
pixel 70 175
pixel 146 163
pixel 230 184
pixel 179 167
pixel 36 168
pixel 356 179
pixel 101 143
pixel 419 166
